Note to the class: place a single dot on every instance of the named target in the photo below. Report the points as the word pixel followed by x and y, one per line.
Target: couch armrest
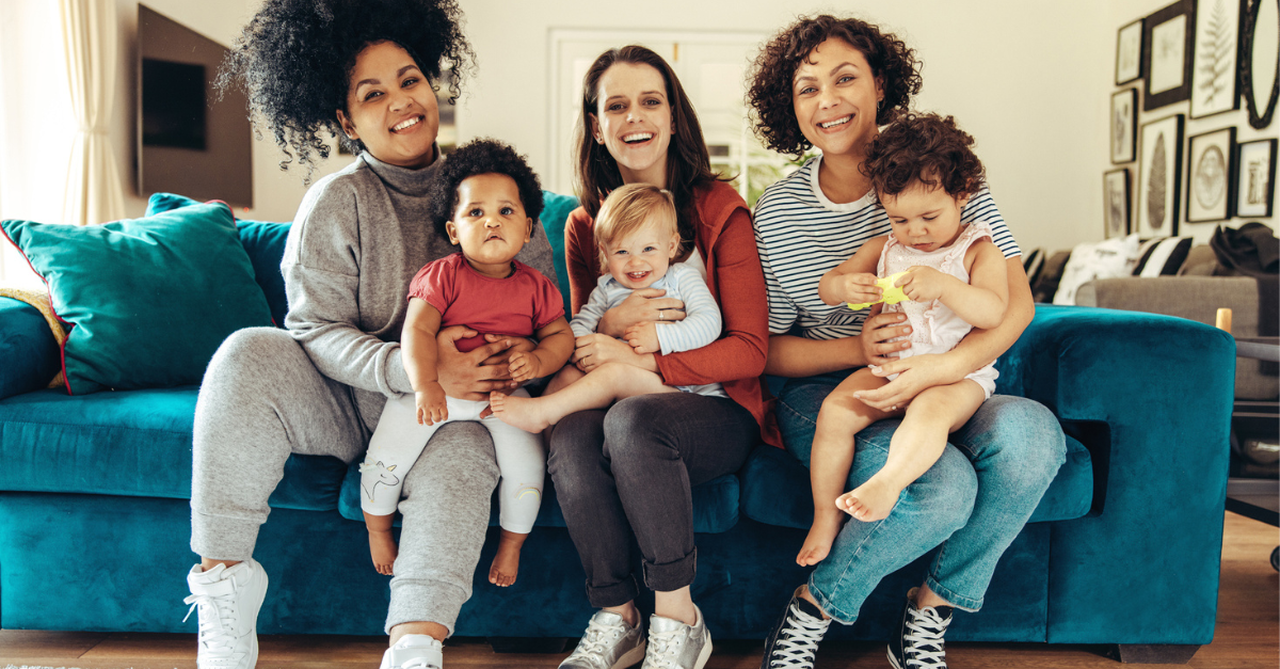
pixel 27 347
pixel 1197 298
pixel 1151 397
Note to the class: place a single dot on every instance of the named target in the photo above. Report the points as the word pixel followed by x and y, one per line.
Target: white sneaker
pixel 228 601
pixel 414 651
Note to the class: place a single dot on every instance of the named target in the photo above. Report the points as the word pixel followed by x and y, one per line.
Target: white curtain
pixel 94 193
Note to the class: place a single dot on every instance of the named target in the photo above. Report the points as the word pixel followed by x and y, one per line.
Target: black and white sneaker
pixel 793 643
pixel 919 644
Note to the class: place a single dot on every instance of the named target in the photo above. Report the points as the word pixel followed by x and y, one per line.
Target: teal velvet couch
pixel 1124 549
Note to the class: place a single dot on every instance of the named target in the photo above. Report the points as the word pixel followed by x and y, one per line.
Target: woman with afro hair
pixel 830 83
pixel 363 70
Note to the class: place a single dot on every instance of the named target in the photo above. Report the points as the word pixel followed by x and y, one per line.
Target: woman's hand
pixel 591 351
pixel 644 304
pixel 877 330
pixel 643 337
pixel 473 375
pixel 914 375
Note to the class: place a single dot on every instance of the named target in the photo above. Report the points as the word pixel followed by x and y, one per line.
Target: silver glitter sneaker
pixel 675 645
pixel 608 643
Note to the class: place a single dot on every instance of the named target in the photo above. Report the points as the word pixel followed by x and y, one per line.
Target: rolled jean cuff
pixel 425 601
pixel 223 537
pixel 829 607
pixel 953 598
pixel 615 594
pixel 670 576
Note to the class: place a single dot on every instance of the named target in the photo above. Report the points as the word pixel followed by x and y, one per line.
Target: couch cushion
pixel 28 349
pixel 775 488
pixel 715 503
pixel 133 288
pixel 135 443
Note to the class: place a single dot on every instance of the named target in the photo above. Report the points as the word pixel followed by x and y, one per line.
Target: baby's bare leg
pixel 382 546
pixel 917 444
pixel 563 378
pixel 603 386
pixel 842 416
pixel 506 563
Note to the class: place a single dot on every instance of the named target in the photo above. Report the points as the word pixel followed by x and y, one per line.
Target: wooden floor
pixel 1247 637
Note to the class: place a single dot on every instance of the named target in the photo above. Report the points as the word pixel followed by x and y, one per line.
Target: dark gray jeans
pixel 627 472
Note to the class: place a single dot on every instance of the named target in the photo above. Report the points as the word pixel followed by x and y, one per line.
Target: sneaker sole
pixel 631 657
pixel 893 659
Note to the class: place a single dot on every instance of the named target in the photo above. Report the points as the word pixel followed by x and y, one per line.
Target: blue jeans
pixel 973 502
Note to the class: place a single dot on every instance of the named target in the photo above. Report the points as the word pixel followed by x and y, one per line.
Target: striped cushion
pixel 1033 262
pixel 1162 256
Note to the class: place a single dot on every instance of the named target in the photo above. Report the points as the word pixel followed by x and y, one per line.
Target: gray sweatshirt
pixel 359 237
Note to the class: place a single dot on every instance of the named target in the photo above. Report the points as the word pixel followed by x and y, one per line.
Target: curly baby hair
pixel 927 148
pixel 294 60
pixel 481 156
pixel 771 75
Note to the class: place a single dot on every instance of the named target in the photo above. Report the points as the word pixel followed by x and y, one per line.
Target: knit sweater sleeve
pixel 321 268
pixel 581 258
pixel 739 285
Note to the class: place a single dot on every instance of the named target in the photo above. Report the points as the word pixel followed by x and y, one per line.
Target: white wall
pixel 1121 13
pixel 1030 80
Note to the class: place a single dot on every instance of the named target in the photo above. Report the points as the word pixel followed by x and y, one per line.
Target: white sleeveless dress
pixel 935 328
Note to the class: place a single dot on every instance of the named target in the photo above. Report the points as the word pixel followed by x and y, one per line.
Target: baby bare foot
pixel 521 412
pixel 821 535
pixel 383 548
pixel 506 564
pixel 870 501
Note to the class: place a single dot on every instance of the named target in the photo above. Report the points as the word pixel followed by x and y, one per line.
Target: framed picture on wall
pixel 1159 177
pixel 1124 125
pixel 1115 198
pixel 1255 178
pixel 1210 186
pixel 1129 53
pixel 1168 40
pixel 1217 39
pixel 1260 61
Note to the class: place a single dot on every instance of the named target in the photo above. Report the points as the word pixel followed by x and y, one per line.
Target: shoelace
pixel 595 643
pixel 664 650
pixel 216 624
pixel 798 642
pixel 924 631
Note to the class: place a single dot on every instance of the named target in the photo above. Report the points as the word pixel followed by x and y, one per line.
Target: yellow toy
pixel 891 295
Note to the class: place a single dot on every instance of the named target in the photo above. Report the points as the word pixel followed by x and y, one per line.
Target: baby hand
pixel 643 337
pixel 524 366
pixel 432 407
pixel 923 284
pixel 857 288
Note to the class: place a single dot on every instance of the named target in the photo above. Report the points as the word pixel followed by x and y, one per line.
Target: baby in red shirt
pixel 494 198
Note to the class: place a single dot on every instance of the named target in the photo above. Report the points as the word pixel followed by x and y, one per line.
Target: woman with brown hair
pixel 830 83
pixel 624 474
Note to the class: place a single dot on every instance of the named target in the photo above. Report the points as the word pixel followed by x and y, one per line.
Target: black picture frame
pixel 1256 178
pixel 1129 53
pixel 1116 203
pixel 1158 194
pixel 1260 115
pixel 1168 80
pixel 1124 126
pixel 1216 58
pixel 1211 179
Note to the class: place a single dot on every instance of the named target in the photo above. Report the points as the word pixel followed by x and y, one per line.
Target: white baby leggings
pixel 399 439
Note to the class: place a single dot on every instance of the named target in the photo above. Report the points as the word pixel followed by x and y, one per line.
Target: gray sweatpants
pixel 261 400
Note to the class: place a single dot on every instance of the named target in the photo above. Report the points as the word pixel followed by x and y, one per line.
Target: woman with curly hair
pixel 623 474
pixel 362 69
pixel 830 83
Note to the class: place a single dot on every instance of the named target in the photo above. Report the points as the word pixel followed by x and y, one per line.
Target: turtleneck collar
pixel 403 179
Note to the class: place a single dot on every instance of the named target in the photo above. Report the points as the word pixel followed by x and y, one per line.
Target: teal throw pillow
pixel 148 300
pixel 555 211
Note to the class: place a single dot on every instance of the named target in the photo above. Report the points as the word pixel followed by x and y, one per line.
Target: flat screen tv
pixel 190 142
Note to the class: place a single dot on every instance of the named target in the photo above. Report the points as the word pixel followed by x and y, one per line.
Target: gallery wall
pixel 1122 13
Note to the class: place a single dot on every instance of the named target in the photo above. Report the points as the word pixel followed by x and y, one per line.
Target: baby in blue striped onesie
pixel 637 237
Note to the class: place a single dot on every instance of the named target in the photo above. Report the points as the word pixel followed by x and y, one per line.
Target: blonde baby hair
pixel 627 209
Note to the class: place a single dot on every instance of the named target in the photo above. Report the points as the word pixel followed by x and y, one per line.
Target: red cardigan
pixel 727 243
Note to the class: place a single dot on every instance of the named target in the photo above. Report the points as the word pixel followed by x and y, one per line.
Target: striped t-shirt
pixel 802 235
